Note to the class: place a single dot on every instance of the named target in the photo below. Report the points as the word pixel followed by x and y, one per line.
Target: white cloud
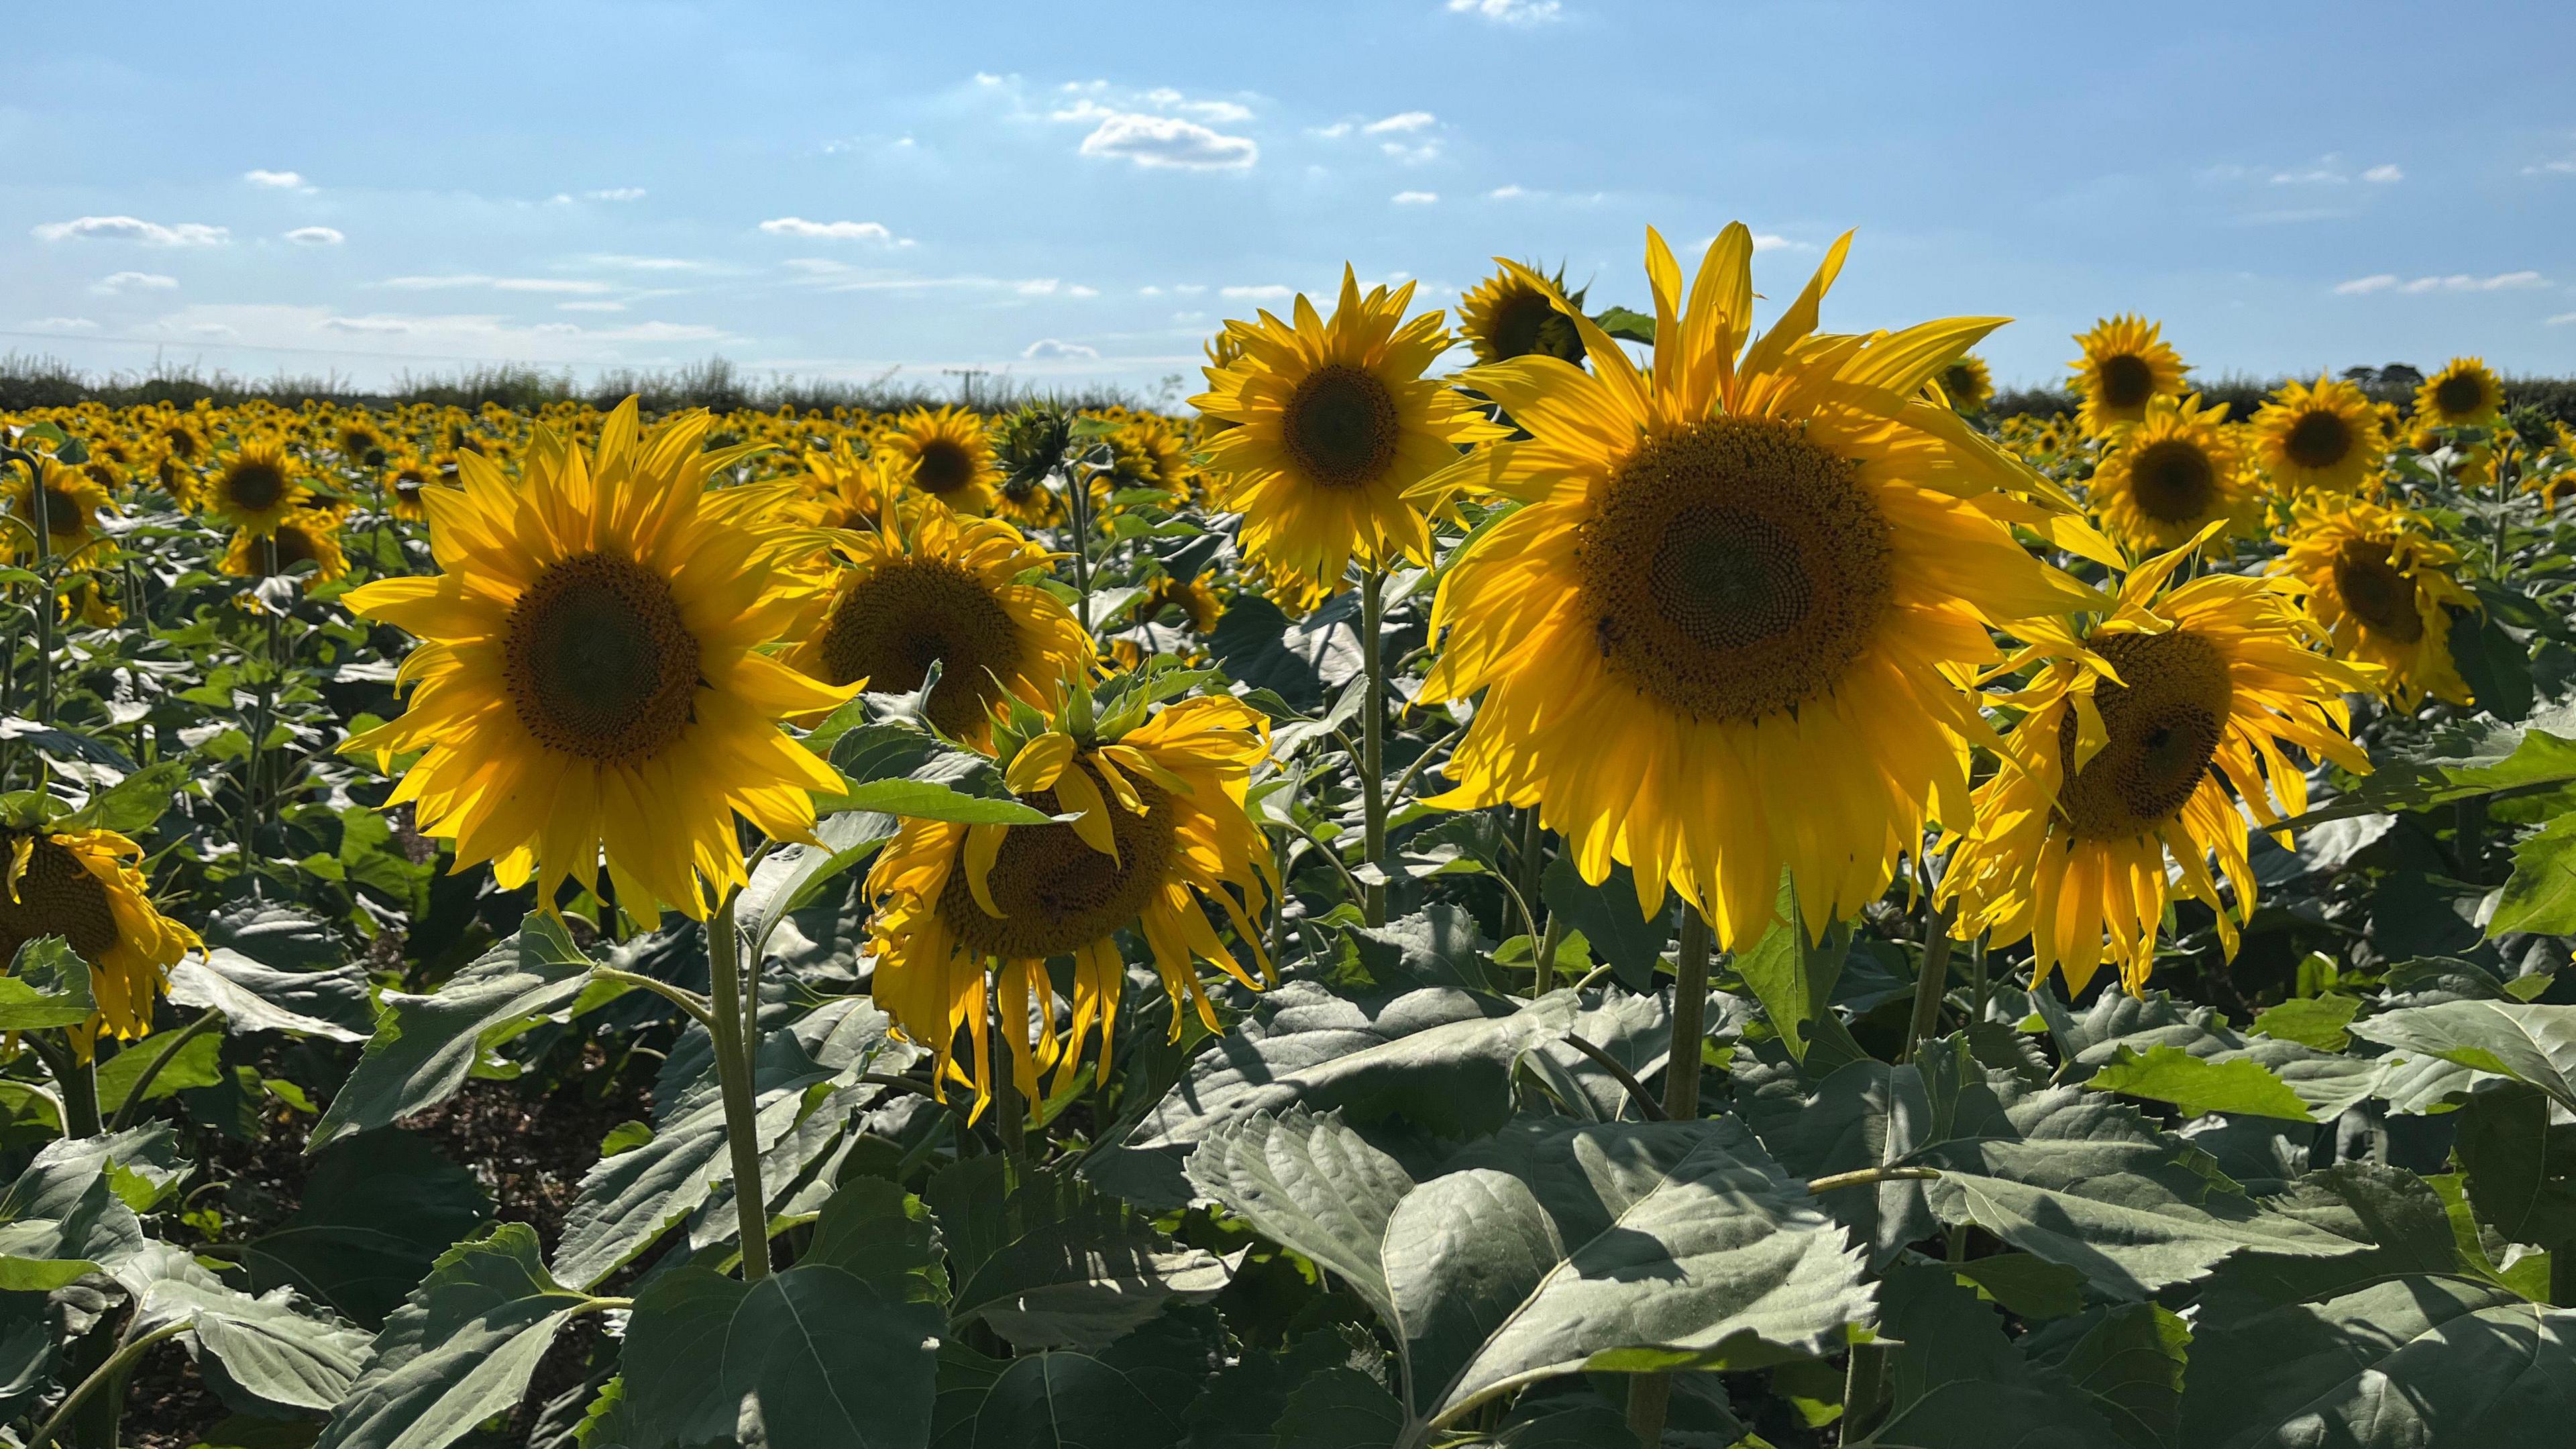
pixel 1400 121
pixel 1078 290
pixel 1149 291
pixel 1416 198
pixel 1049 348
pixel 1333 132
pixel 2454 282
pixel 280 181
pixel 1507 193
pixel 2383 175
pixel 117 282
pixel 1412 155
pixel 827 230
pixel 567 286
pixel 2561 320
pixel 128 228
pixel 1510 12
pixel 1168 141
pixel 1220 112
pixel 1039 287
pixel 1272 293
pixel 1772 241
pixel 611 193
pixel 590 306
pixel 317 236
pixel 2327 170
pixel 2562 166
pixel 62 324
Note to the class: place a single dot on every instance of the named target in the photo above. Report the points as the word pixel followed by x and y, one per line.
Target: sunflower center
pixel 183 444
pixel 1056 893
pixel 2127 380
pixel 942 467
pixel 1959 381
pixel 294 546
pixel 889 628
pixel 55 896
pixel 2319 439
pixel 599 662
pixel 2173 481
pixel 2377 592
pixel 255 484
pixel 2163 727
pixel 1733 570
pixel 64 515
pixel 1527 322
pixel 2458 394
pixel 1340 427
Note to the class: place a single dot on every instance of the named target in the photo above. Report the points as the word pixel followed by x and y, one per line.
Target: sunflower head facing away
pixel 2126 364
pixel 2320 438
pixel 2167 478
pixel 932 588
pixel 1722 634
pixel 2379 582
pixel 1966 384
pixel 1330 423
pixel 589 679
pixel 2132 735
pixel 83 886
pixel 305 536
pixel 1160 828
pixel 256 487
pixel 2463 394
pixel 945 453
pixel 1503 317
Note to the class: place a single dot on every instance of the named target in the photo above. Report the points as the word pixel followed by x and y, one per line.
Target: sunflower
pixel 308 535
pixel 2134 731
pixel 84 600
pixel 1160 827
pixel 256 487
pixel 1504 317
pixel 2377 580
pixel 2463 394
pixel 2166 479
pixel 407 477
pixel 945 454
pixel 361 441
pixel 589 678
pixel 933 588
pixel 73 501
pixel 843 490
pixel 1199 606
pixel 81 885
pixel 2324 437
pixel 2125 364
pixel 1720 636
pixel 1333 423
pixel 1966 384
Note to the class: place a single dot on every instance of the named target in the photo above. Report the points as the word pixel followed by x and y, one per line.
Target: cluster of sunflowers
pixel 1763 615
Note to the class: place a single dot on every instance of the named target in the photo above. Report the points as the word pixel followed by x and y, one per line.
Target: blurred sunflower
pixel 2377 579
pixel 73 502
pixel 407 477
pixel 932 588
pixel 361 441
pixel 82 886
pixel 843 490
pixel 945 454
pixel 2126 363
pixel 2324 437
pixel 2117 766
pixel 85 600
pixel 256 487
pixel 1503 317
pixel 1333 423
pixel 1724 631
pixel 2166 479
pixel 1160 828
pixel 1966 384
pixel 2463 394
pixel 1198 604
pixel 307 535
pixel 590 679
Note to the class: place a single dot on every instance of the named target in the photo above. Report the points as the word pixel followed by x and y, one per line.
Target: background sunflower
pixel 2126 364
pixel 2379 582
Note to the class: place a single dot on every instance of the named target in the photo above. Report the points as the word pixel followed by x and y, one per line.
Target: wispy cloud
pixel 62 324
pixel 612 193
pixel 1511 12
pixel 2454 282
pixel 1270 293
pixel 130 228
pixel 317 236
pixel 2556 166
pixel 1399 122
pixel 563 286
pixel 280 180
pixel 829 230
pixel 1049 349
pixel 118 283
pixel 1416 198
pixel 1169 141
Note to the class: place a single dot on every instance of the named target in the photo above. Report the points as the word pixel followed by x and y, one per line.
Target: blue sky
pixel 1085 192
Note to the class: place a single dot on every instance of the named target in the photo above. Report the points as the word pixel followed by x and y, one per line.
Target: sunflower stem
pixel 1077 501
pixel 1649 1395
pixel 77 1082
pixel 168 1052
pixel 118 1365
pixel 1864 1389
pixel 733 1074
pixel 1373 741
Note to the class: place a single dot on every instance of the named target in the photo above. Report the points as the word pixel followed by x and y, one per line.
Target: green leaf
pixel 133 804
pixel 897 769
pixel 459 1351
pixel 886 1236
pixel 375 1214
pixel 1048 1261
pixel 2533 1045
pixel 1260 647
pixel 276 936
pixel 2311 1021
pixel 1435 946
pixel 929 800
pixel 424 1046
pixel 1794 978
pixel 1607 915
pixel 815 1356
pixel 1311 1184
pixel 1866 1114
pixel 198 1063
pixel 2521 1166
pixel 259 1353
pixel 1956 1382
pixel 1341 1409
pixel 2116 1022
pixel 2541 894
pixel 47 986
pixel 1132 1394
pixel 1627 325
pixel 331 1004
pixel 2476 757
pixel 794 875
pixel 2024 1284
pixel 2198 1085
pixel 2130 1363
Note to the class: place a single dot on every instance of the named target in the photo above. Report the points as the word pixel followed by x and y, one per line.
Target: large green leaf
pixel 1048 1261
pixel 377 1210
pixel 897 769
pixel 794 875
pixel 260 1353
pixel 2521 1166
pixel 1794 978
pixel 47 986
pixel 1310 1183
pixel 331 1004
pixel 1608 916
pixel 1133 1394
pixel 2326 1082
pixel 460 1350
pixel 424 1046
pixel 1956 1382
pixel 2475 757
pixel 2198 1086
pixel 2533 1045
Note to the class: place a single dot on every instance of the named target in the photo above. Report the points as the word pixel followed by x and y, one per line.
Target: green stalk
pixel 118 1365
pixel 1864 1390
pixel 1077 498
pixel 1373 740
pixel 76 1081
pixel 1650 1395
pixel 1932 982
pixel 733 1075
pixel 168 1052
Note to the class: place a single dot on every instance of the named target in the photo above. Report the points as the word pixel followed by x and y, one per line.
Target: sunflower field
pixel 1676 882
